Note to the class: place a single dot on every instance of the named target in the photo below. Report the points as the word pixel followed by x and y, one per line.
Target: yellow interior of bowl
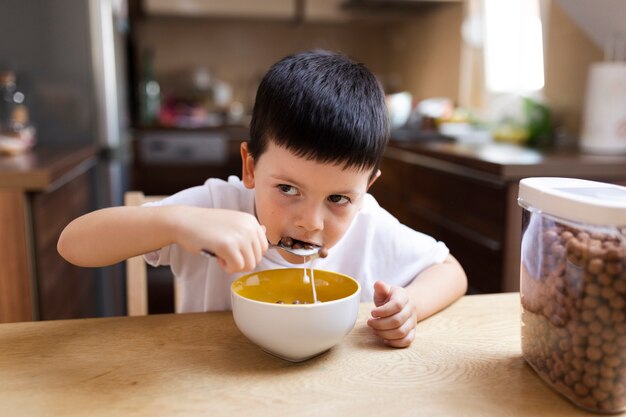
pixel 288 285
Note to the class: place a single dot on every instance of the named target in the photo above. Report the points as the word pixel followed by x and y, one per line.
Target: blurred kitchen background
pixel 99 97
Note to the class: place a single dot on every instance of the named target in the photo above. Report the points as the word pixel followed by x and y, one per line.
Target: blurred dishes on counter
pixel 437 108
pixel 196 98
pixel 399 106
pixel 433 119
pixel 15 143
pixel 463 125
pixel 521 120
pixel 515 119
pixel 415 123
pixel 408 133
pixel 464 132
pixel 16 133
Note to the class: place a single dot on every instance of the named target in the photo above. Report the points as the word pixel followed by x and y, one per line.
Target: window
pixel 513 46
pixel 503 50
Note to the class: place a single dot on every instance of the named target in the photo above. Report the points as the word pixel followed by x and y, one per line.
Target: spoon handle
pixel 299 252
pixel 207 253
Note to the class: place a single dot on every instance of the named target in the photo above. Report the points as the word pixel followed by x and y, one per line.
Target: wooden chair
pixel 136 268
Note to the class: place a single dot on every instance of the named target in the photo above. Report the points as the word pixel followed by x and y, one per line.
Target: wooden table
pixel 465 361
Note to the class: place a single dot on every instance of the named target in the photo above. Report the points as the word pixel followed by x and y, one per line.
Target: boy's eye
pixel 287 189
pixel 339 199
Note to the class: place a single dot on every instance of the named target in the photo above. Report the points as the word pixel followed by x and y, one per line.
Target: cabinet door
pixel 468 214
pixel 64 291
pixel 266 9
pixel 391 188
pixel 157 177
pixel 15 284
pixel 326 11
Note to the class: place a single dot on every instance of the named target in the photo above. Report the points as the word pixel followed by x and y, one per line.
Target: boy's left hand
pixel 394 318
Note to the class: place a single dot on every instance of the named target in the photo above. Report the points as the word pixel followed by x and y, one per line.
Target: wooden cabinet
pixel 16 287
pixel 266 9
pixel 326 11
pixel 466 212
pixel 40 193
pixel 467 198
pixel 64 290
pixel 309 10
pixel 315 11
pixel 193 157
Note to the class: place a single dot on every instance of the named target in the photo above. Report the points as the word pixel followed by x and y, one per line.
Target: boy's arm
pixel 437 287
pixel 399 309
pixel 111 235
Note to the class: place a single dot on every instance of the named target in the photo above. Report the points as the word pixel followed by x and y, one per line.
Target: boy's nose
pixel 310 218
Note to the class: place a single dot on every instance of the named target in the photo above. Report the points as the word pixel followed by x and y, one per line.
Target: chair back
pixel 136 267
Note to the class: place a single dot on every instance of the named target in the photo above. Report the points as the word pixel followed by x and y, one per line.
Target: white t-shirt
pixel 376 246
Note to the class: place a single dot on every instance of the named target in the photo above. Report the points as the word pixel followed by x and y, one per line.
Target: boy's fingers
pixel 381 293
pixel 249 259
pixel 397 332
pixel 257 249
pixel 393 305
pixel 263 240
pixel 221 263
pixel 391 322
pixel 402 343
pixel 232 260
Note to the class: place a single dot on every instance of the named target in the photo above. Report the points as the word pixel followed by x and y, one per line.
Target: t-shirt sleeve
pixel 402 253
pixel 199 196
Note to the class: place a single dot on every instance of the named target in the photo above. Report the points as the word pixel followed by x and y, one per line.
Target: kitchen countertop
pixel 466 360
pixel 508 162
pixel 43 167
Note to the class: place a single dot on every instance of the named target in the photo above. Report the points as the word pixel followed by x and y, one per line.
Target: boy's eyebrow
pixel 297 184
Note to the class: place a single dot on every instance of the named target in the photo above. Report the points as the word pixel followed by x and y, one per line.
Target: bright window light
pixel 513 46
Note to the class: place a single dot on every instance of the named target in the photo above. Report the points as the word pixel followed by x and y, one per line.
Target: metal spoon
pixel 304 252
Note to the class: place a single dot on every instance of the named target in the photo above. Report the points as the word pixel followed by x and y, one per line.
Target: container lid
pixel 583 201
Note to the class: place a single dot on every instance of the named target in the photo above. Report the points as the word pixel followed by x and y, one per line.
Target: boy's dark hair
pixel 323 106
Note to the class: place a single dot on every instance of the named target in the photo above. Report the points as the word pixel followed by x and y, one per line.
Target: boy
pixel 318 131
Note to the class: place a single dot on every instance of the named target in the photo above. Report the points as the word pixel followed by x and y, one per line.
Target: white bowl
pixel 295 332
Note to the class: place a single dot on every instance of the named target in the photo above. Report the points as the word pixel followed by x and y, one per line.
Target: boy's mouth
pixel 293 245
pixel 296 243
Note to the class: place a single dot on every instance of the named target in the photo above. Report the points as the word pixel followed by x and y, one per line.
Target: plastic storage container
pixel 573 288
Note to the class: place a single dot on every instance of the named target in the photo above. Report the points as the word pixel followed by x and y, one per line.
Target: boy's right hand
pixel 236 238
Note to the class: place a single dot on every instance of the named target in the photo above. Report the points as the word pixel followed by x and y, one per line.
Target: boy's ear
pixel 247 166
pixel 374 178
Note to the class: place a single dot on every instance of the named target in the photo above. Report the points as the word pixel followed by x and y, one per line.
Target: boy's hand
pixel 236 238
pixel 394 318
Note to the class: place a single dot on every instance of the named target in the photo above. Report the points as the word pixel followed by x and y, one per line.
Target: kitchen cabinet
pixel 168 160
pixel 266 9
pixel 326 11
pixel 466 196
pixel 314 11
pixel 40 193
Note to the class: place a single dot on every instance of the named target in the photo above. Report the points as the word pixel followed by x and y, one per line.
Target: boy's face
pixel 303 199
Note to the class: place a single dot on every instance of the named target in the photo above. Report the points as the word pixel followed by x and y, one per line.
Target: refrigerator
pixel 70 58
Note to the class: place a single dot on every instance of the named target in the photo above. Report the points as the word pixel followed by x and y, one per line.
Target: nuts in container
pixel 573 288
